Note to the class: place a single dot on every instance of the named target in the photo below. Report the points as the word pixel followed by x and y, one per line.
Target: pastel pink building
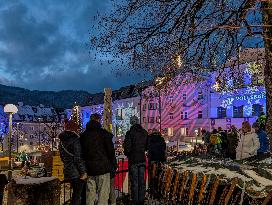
pixel 184 111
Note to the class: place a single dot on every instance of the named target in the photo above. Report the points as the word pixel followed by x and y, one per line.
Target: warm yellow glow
pixel 179 63
pixel 159 80
pixel 216 86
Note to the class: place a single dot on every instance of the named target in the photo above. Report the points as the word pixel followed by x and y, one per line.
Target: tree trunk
pixel 267 20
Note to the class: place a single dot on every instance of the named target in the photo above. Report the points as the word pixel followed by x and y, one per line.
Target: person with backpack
pixel 215 140
pixel 74 166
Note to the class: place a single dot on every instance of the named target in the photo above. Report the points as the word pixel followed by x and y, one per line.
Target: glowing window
pixel 170 131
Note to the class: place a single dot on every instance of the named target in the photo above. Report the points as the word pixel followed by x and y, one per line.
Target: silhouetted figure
pixel 135 145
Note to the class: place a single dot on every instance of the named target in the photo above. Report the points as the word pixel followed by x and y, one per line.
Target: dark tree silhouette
pixel 171 37
pixel 51 132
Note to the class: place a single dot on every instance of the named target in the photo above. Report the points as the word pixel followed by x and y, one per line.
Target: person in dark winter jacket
pixel 135 145
pixel 74 167
pixel 262 121
pixel 99 155
pixel 232 139
pixel 156 148
pixel 3 183
pixel 263 139
pixel 224 142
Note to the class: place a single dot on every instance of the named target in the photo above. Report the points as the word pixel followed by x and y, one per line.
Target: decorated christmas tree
pixel 76 117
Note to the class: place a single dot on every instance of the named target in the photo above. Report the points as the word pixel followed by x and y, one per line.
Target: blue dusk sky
pixel 44 45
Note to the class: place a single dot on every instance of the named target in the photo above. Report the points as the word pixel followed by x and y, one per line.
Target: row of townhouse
pixel 34 127
pixel 188 108
pixel 185 112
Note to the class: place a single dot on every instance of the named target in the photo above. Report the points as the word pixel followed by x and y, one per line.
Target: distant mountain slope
pixel 61 99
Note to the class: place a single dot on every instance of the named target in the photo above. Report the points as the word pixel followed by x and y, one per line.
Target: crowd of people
pixel 248 142
pixel 90 163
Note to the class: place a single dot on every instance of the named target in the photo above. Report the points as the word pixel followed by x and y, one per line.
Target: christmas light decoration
pixel 76 117
pixel 216 86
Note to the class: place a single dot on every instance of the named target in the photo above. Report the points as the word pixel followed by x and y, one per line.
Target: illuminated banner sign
pixel 249 97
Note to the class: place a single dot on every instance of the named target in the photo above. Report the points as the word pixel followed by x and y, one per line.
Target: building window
pixel 221 112
pixel 144 107
pixel 87 115
pixel 151 119
pixel 183 115
pixel 257 109
pixel 158 119
pixel 184 96
pixel 200 95
pixel 152 106
pixel 184 131
pixel 171 99
pixel 200 114
pixel 257 79
pixel 32 127
pixel 171 116
pixel 170 131
pixel 238 111
pixel 144 119
pixel 119 131
pixel 119 113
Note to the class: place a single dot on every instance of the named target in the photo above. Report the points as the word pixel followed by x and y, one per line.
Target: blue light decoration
pixel 122 123
pixel 88 111
pixel 247 96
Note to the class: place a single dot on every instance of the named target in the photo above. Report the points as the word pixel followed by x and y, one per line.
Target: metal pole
pixel 140 107
pixel 17 138
pixel 160 110
pixel 39 133
pixel 10 136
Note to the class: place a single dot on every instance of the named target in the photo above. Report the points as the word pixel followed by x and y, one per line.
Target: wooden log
pixel 202 190
pixel 192 188
pixel 183 184
pixel 175 186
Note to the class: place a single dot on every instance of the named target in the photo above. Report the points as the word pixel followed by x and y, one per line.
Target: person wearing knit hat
pixel 135 145
pixel 134 120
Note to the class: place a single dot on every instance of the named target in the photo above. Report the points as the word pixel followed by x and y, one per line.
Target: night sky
pixel 44 45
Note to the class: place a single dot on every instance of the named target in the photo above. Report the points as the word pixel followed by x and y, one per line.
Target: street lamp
pixel 39 119
pixel 10 109
pixel 17 138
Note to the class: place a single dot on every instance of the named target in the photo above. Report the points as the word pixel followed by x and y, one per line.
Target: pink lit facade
pixel 184 111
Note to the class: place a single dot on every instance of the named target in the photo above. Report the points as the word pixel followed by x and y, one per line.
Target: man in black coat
pixel 99 155
pixel 156 148
pixel 135 145
pixel 3 183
